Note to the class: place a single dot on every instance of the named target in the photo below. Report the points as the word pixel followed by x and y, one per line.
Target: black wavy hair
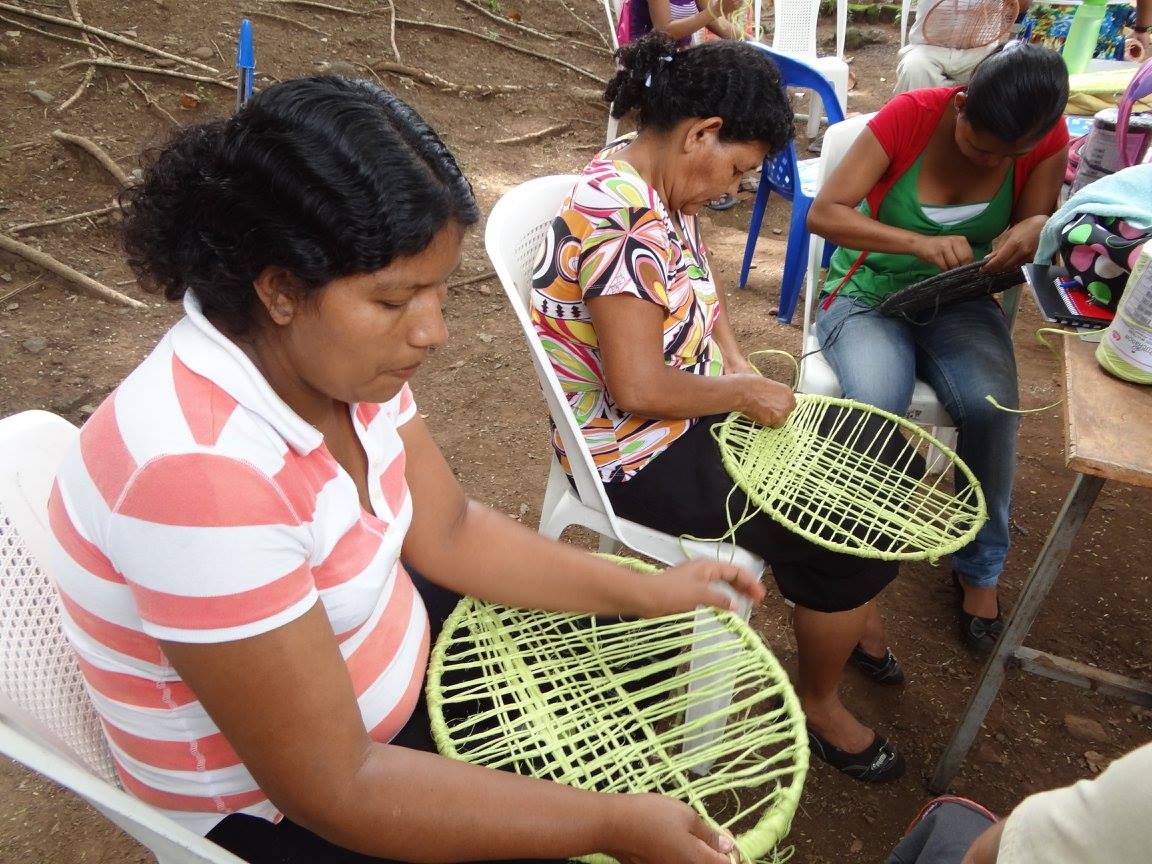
pixel 324 176
pixel 1018 92
pixel 726 78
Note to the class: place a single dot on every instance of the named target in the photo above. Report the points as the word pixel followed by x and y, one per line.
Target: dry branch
pixel 392 30
pixel 83 283
pixel 60 220
pixel 285 19
pixel 15 292
pixel 534 136
pixel 409 22
pixel 313 4
pixel 106 34
pixel 24 26
pixel 477 90
pixel 153 105
pixel 471 280
pixel 90 72
pixel 152 70
pixel 500 19
pixel 96 152
pixel 587 24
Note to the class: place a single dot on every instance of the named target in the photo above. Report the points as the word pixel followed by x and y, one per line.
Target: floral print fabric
pixel 613 236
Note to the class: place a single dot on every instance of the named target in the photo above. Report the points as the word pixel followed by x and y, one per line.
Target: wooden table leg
pixel 1079 502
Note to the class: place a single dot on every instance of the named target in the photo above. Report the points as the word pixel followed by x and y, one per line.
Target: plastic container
pixel 1083 34
pixel 1126 348
pixel 1100 153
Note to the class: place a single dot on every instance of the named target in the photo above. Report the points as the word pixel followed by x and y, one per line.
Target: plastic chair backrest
pixel 40 680
pixel 795 25
pixel 1140 87
pixel 905 20
pixel 513 239
pixel 612 13
pixel 47 721
pixel 838 140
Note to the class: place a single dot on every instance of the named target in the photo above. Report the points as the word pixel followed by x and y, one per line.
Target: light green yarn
pixel 600 704
pixel 815 475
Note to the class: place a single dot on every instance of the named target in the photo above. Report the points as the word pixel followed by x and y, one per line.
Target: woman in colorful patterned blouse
pixel 232 523
pixel 940 178
pixel 625 303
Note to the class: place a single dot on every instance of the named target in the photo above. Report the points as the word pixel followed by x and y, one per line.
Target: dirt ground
pixel 65 352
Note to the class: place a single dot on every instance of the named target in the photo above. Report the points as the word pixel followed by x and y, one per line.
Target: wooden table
pixel 1108 429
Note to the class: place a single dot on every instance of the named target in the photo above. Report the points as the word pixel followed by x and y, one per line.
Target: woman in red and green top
pixel 940 178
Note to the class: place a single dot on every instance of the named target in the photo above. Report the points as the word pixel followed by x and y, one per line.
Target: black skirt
pixel 685 490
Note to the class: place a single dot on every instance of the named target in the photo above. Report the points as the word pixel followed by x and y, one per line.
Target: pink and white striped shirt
pixel 200 508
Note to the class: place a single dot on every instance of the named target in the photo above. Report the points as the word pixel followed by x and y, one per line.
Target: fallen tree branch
pixel 285 19
pixel 28 226
pixel 153 105
pixel 534 136
pixel 106 34
pixel 471 280
pixel 587 24
pixel 85 284
pixel 315 5
pixel 410 22
pixel 500 19
pixel 96 152
pixel 477 90
pixel 90 72
pixel 24 26
pixel 392 29
pixel 152 70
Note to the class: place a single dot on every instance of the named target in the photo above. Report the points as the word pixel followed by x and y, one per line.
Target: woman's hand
pixel 659 830
pixel 985 849
pixel 1015 246
pixel 766 401
pixel 946 252
pixel 739 366
pixel 701 582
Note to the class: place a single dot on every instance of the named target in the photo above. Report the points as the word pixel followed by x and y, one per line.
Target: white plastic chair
pixel 47 721
pixel 795 33
pixel 906 20
pixel 612 13
pixel 816 375
pixel 513 239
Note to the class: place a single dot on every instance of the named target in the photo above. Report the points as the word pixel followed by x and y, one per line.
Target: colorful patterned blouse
pixel 614 236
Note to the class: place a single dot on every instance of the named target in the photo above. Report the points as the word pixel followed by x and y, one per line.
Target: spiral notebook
pixel 1062 300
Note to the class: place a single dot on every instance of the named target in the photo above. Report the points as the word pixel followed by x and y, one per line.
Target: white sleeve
pixel 1103 821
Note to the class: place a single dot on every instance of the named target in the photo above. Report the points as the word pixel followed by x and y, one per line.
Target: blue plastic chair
pixel 786 175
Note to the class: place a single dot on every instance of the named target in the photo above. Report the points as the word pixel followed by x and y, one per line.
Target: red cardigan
pixel 904 126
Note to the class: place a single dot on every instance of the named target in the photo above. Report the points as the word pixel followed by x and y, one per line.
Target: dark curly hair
pixel 728 79
pixel 325 177
pixel 1017 92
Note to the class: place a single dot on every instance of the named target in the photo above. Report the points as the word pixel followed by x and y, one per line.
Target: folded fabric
pixel 1126 194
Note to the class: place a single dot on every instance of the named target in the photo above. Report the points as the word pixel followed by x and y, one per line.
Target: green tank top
pixel 883 273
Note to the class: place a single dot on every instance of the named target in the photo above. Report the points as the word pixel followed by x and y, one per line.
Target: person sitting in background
pixel 683 20
pixel 625 303
pixel 938 179
pixel 947 40
pixel 231 523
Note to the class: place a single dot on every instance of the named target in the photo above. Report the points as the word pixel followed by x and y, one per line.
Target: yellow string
pixel 1056 331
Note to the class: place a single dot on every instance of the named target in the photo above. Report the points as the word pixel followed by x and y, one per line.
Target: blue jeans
pixel 964 353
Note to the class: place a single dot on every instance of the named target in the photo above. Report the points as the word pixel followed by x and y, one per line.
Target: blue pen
pixel 245 64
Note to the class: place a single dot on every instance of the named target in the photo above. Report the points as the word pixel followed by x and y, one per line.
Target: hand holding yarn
pixel 766 401
pixel 701 582
pixel 946 252
pixel 660 830
pixel 1015 246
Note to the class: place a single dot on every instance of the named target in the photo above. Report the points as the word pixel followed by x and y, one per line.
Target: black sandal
pixel 883 670
pixel 879 763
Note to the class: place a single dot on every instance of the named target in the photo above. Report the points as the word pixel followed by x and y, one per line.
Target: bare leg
pixel 980 601
pixel 824 640
pixel 874 641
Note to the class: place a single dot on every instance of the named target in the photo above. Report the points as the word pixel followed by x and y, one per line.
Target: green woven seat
pixel 852 478
pixel 600 704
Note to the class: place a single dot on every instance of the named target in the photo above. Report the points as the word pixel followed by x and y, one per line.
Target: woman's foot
pixel 727 202
pixel 883 669
pixel 980 620
pixel 880 762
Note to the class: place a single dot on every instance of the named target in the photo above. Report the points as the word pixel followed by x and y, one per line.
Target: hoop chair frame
pixel 47 721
